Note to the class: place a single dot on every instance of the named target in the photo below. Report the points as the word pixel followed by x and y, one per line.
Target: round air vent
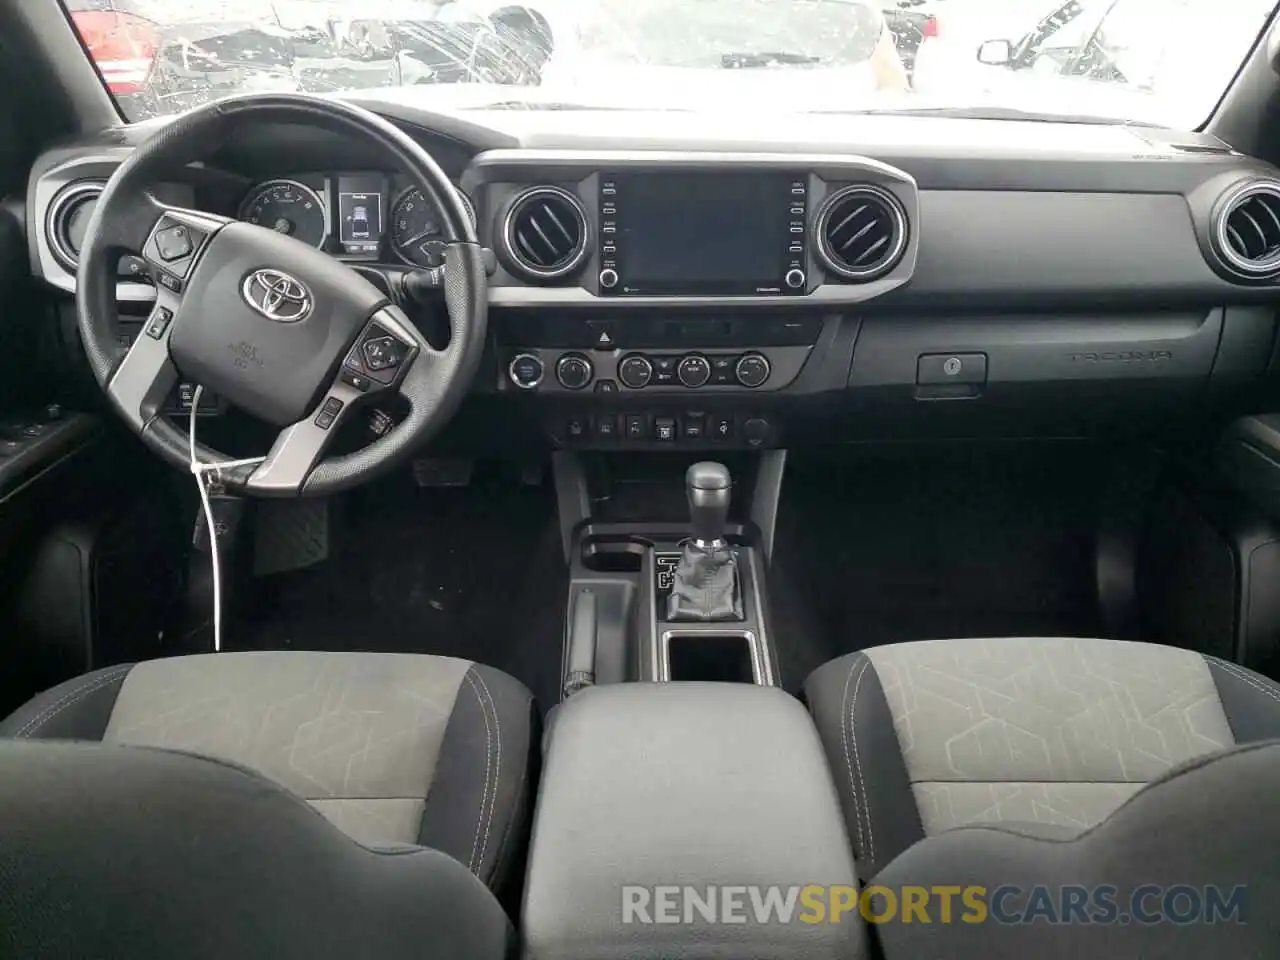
pixel 862 232
pixel 68 219
pixel 1247 229
pixel 546 233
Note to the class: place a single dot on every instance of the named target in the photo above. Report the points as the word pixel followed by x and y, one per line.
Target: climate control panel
pixel 613 371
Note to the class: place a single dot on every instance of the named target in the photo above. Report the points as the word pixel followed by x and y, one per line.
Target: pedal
pixel 443 471
pixel 290 535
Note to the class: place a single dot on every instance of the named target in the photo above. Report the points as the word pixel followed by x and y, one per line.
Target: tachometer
pixel 416 224
pixel 287 207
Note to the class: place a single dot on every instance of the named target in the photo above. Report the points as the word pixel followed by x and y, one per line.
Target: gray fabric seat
pixel 1059 732
pixel 391 748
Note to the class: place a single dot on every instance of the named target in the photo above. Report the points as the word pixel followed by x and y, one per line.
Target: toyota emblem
pixel 277 295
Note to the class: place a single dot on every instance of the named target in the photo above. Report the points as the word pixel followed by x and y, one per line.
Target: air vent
pixel 546 233
pixel 68 219
pixel 1247 230
pixel 862 232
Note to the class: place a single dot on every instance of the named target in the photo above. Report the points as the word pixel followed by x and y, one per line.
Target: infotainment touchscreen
pixel 695 233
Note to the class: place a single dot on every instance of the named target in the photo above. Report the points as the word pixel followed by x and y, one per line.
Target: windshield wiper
pixel 993 113
pixel 765 58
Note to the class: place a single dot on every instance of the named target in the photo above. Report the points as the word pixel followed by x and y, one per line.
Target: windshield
pixel 1148 61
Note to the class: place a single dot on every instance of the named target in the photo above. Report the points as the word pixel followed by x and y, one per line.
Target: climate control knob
pixel 794 278
pixel 694 370
pixel 608 278
pixel 635 371
pixel 752 369
pixel 525 370
pixel 574 371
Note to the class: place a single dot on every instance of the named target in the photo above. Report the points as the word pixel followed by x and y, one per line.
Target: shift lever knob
pixel 707 485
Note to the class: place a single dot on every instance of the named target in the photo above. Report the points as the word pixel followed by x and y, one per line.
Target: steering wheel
pixel 278 328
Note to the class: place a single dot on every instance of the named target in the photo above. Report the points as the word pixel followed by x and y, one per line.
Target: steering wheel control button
pixel 526 370
pixel 173 243
pixel 694 370
pixel 935 369
pixel 664 429
pixel 383 353
pixel 159 322
pixel 635 371
pixel 359 381
pixel 328 413
pixel 794 279
pixel 169 282
pixel 574 371
pixel 752 370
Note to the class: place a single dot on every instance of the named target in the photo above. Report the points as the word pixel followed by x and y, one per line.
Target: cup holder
pixel 603 555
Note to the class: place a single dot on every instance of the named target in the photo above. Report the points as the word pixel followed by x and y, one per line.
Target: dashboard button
pixel 694 370
pixel 576 428
pixel 607 428
pixel 573 371
pixel 794 279
pixel 608 278
pixel 756 431
pixel 693 426
pixel 722 370
pixel 602 334
pixel 664 371
pixel 752 370
pixel 635 371
pixel 606 386
pixel 635 427
pixel 664 429
pixel 721 429
pixel 526 370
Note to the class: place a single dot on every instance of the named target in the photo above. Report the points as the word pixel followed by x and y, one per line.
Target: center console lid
pixel 655 792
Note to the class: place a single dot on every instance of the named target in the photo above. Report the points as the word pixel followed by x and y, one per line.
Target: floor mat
pixel 945 543
pixel 471 572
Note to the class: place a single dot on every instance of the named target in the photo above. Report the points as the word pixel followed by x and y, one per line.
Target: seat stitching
pixel 72 696
pixel 853 735
pixel 844 738
pixel 488 755
pixel 1240 674
pixel 497 766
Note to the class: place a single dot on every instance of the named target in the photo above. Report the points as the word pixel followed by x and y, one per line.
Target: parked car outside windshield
pixel 1148 61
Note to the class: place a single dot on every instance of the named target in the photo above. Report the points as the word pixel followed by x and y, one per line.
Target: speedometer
pixel 417 225
pixel 287 207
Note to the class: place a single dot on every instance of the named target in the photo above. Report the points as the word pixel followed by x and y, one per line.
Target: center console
pixel 665 809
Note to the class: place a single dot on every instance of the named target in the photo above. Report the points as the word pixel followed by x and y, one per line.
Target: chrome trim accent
pixel 519 203
pixel 76 193
pixel 1227 205
pixel 511 371
pixel 277 295
pixel 896 212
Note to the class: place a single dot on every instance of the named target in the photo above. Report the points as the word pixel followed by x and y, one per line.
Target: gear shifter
pixel 706 580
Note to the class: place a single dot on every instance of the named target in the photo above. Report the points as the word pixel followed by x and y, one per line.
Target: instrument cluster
pixel 364 215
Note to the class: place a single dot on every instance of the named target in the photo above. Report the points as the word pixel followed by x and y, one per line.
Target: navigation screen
pixel 359 219
pixel 692 233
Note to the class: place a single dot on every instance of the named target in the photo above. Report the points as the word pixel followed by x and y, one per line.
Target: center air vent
pixel 68 219
pixel 862 232
pixel 1247 229
pixel 546 233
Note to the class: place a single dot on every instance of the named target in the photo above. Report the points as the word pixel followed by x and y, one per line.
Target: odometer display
pixel 416 225
pixel 287 207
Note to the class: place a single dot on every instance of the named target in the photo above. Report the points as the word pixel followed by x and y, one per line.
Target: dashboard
pixel 829 278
